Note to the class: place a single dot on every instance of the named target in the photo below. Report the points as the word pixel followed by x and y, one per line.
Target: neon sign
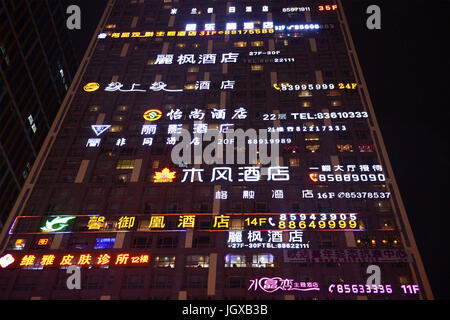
pixel 270 285
pixel 56 224
pixel 223 222
pixel 328 7
pixel 152 115
pixel 6 260
pixel 164 176
pixel 91 87
pixel 85 259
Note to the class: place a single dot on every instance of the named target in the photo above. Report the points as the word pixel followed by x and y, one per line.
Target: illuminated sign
pixel 6 260
pixel 315 116
pixel 270 285
pixel 361 289
pixel 297 87
pixel 352 255
pixel 56 224
pixel 296 9
pixel 256 239
pixel 99 129
pixel 91 87
pixel 249 174
pixel 85 259
pixel 338 174
pixel 308 128
pixel 327 7
pixel 223 222
pixel 164 176
pixel 152 115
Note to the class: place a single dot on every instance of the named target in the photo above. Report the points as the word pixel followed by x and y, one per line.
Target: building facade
pixel 37 64
pixel 214 150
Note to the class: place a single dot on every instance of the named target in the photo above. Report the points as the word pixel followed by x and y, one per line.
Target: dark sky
pixel 406 66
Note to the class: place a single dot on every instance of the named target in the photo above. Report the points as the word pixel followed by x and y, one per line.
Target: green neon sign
pixel 56 224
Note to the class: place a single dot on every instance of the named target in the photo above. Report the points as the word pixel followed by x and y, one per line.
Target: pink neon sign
pixel 271 285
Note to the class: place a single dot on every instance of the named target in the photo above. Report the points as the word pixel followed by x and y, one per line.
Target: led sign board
pixel 197 221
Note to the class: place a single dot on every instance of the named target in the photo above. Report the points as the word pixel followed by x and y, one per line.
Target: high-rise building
pixel 37 64
pixel 214 150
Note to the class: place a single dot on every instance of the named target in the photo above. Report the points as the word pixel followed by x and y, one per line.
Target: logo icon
pixel 164 176
pixel 6 261
pixel 56 224
pixel 152 115
pixel 99 129
pixel 91 87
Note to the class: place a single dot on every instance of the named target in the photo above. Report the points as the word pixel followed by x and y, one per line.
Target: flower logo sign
pixel 164 176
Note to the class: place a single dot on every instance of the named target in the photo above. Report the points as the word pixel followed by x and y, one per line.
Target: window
pixel 312 137
pixel 195 281
pixel 116 128
pixel 94 282
pixel 125 164
pixel 142 242
pixel 164 262
pixel 294 162
pixel 382 206
pixel 235 261
pixel 161 281
pixel 133 281
pixel 257 43
pixel 264 260
pixel 312 148
pixel 197 261
pixel 167 242
pixel 235 282
pixel 202 242
pixel 193 69
pixel 240 44
pixel 104 243
pixel 345 147
pixel 306 104
pixel 257 67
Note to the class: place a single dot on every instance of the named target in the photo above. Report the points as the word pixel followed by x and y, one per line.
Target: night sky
pixel 407 68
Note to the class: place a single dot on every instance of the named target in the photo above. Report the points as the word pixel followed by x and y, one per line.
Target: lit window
pixel 366 148
pixel 345 147
pixel 151 62
pixel 116 128
pixel 294 162
pixel 333 93
pixel 235 261
pixel 306 104
pixel 125 164
pixel 110 26
pixel 189 86
pixel 181 45
pixel 94 108
pixel 304 93
pixel 118 118
pixel 263 260
pixel 197 261
pixel 155 164
pixel 237 224
pixel 104 243
pixel 257 67
pixel 336 103
pixel 164 262
pixel 240 44
pixel 257 43
pixel 122 108
pixel 193 69
pixel 311 137
pixel 313 148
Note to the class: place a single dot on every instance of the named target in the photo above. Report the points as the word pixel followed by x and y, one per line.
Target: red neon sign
pixel 328 7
